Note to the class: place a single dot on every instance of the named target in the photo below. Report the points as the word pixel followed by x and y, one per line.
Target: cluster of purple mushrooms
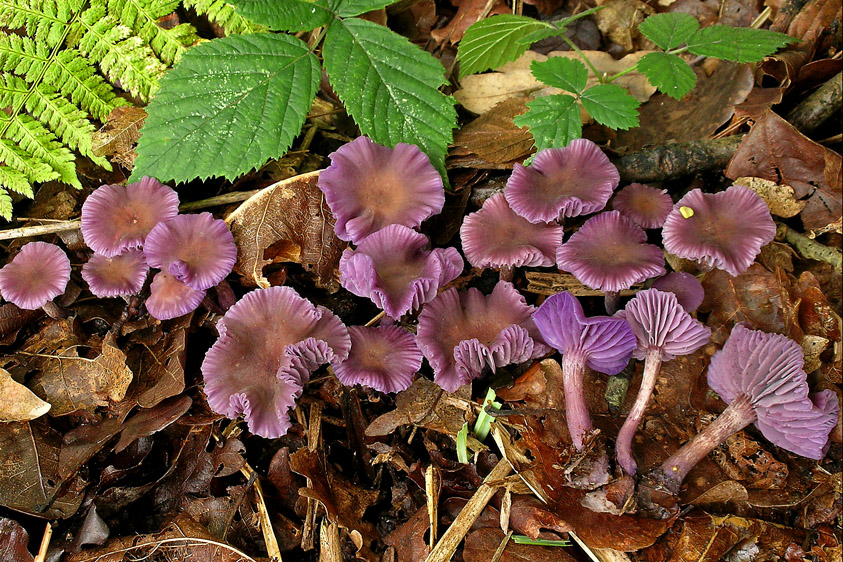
pixel 271 340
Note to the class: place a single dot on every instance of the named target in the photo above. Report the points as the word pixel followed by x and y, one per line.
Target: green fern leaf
pixel 44 20
pixel 77 78
pixel 23 56
pixel 38 141
pixel 30 169
pixel 5 200
pixel 142 17
pixel 222 13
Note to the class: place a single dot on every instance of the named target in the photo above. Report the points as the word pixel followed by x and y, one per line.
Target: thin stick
pixel 809 248
pixel 45 544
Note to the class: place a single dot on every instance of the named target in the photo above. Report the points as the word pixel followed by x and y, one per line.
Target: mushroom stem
pixel 612 301
pixel 576 411
pixel 652 363
pixel 735 417
pixel 225 295
pixel 54 311
pixel 506 273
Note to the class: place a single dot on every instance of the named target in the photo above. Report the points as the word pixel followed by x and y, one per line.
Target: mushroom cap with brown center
pixel 116 276
pixel 37 274
pixel 647 206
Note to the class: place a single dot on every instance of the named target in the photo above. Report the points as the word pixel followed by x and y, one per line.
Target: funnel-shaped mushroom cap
pixel 768 368
pixel 610 253
pixel 562 182
pixel 170 298
pixel 117 276
pixel 725 230
pixel 270 342
pixel 368 186
pixel 647 206
pixel 461 333
pixel 384 358
pixel 115 218
pixel 393 268
pixel 37 274
pixel 687 288
pixel 495 236
pixel 659 322
pixel 198 250
pixel 606 343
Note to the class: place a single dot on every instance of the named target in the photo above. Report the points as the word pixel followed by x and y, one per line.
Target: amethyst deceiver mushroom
pixel 384 358
pixel 35 276
pixel 761 377
pixel 170 298
pixel 270 342
pixel 725 230
pixel 664 331
pixel 687 288
pixel 610 253
pixel 496 236
pixel 198 250
pixel 647 206
pixel 121 275
pixel 369 186
pixel 601 343
pixel 462 333
pixel 394 268
pixel 562 182
pixel 115 218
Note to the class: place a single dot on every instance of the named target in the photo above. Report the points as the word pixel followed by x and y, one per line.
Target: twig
pixel 189 541
pixel 817 108
pixel 45 544
pixel 810 249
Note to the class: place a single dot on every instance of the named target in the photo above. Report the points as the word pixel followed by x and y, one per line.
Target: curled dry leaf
pixel 426 405
pixel 619 19
pixel 469 12
pixel 288 221
pixel 13 541
pixel 117 138
pixel 493 137
pixel 18 403
pixel 162 372
pixel 780 198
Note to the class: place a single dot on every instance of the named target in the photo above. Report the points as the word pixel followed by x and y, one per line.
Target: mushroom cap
pixel 647 206
pixel 610 253
pixel 687 288
pixel 270 341
pixel 113 277
pixel 115 218
pixel 171 298
pixel 384 358
pixel 768 368
pixel 461 333
pixel 605 342
pixel 198 250
pixel 368 186
pixel 562 182
pixel 726 230
pixel 659 322
pixel 495 236
pixel 37 274
pixel 393 268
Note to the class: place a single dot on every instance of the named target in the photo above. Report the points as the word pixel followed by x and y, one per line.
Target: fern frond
pixel 5 200
pixel 44 20
pixel 22 56
pixel 30 169
pixel 37 141
pixel 142 16
pixel 77 78
pixel 222 13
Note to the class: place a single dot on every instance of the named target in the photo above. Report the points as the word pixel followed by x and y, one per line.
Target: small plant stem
pixel 584 58
pixel 611 301
pixel 576 411
pixel 614 77
pixel 737 416
pixel 652 363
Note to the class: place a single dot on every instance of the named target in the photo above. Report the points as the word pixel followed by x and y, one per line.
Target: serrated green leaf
pixel 611 105
pixel 390 87
pixel 290 15
pixel 348 8
pixel 5 201
pixel 669 31
pixel 559 72
pixel 227 107
pixel 554 121
pixel 497 40
pixel 739 44
pixel 668 73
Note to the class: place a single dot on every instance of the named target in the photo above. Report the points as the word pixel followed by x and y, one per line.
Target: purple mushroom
pixel 270 342
pixel 601 343
pixel 495 236
pixel 664 330
pixel 121 275
pixel 35 276
pixel 761 377
pixel 394 269
pixel 647 206
pixel 384 358
pixel 725 230
pixel 610 253
pixel 462 333
pixel 115 218
pixel 198 250
pixel 687 288
pixel 562 182
pixel 369 186
pixel 171 298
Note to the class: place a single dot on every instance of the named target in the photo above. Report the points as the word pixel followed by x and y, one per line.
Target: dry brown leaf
pixel 288 221
pixel 424 404
pixel 619 19
pixel 13 541
pixel 779 197
pixel 118 136
pixel 161 374
pixel 493 136
pixel 18 403
pixel 480 545
pixel 469 12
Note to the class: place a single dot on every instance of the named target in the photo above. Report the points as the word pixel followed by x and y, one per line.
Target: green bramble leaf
pixel 559 72
pixel 295 15
pixel 554 121
pixel 390 87
pixel 669 73
pixel 739 44
pixel 497 40
pixel 669 31
pixel 348 8
pixel 227 107
pixel 611 105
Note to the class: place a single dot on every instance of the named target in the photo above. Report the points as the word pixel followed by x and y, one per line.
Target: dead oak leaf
pixel 494 137
pixel 468 13
pixel 18 403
